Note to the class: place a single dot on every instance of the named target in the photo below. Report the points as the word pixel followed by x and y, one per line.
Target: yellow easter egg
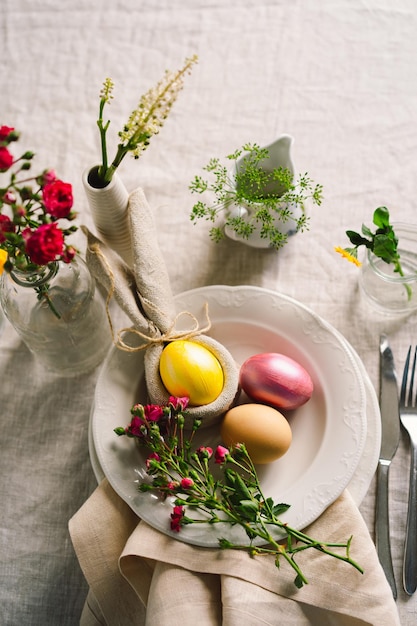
pixel 189 369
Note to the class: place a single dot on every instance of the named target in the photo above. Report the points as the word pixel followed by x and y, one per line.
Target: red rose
pixel 176 518
pixel 153 412
pixel 47 176
pixel 187 483
pixel 5 132
pixel 6 159
pixel 68 254
pixel 152 457
pixel 6 226
pixel 44 244
pixel 178 404
pixel 58 199
pixel 221 454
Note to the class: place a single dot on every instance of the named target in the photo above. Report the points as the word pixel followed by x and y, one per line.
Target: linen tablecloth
pixel 339 77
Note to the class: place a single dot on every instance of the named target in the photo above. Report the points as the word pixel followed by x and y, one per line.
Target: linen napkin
pixel 137 575
pixel 144 293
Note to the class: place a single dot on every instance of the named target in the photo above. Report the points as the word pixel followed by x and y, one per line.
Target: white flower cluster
pixel 153 109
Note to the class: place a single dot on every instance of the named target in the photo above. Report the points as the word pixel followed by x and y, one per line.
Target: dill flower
pixel 144 121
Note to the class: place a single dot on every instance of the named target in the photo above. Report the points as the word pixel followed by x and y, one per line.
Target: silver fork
pixel 408 416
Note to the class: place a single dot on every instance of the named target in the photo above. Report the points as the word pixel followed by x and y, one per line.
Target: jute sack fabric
pixel 144 293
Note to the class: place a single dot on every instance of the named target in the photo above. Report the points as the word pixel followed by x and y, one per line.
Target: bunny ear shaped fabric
pixel 151 276
pixel 144 293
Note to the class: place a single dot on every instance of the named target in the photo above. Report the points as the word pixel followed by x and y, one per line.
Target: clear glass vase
pixel 59 315
pixel 386 290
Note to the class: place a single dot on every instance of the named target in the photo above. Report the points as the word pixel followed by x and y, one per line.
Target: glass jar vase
pixel 388 291
pixel 59 314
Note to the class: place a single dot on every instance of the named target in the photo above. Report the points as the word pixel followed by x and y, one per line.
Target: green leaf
pixel 385 248
pixel 280 508
pixel 381 217
pixel 356 239
pixel 367 231
pixel 249 505
pixel 298 582
pixel 242 492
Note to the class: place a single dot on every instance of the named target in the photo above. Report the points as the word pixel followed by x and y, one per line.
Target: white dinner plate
pixel 329 431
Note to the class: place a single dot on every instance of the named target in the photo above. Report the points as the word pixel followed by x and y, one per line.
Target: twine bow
pixel 172 333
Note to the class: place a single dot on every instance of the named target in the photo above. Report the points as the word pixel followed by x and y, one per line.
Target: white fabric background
pixel 339 76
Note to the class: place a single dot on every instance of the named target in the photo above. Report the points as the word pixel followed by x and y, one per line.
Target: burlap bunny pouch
pixel 144 293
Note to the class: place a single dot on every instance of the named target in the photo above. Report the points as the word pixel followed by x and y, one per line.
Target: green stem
pixel 238 502
pixel 103 132
pixel 44 293
pixel 400 271
pixel 122 150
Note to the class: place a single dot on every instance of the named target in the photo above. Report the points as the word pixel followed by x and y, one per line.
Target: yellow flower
pixel 347 255
pixel 3 259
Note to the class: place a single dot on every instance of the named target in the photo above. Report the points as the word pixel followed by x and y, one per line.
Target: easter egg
pixel 189 369
pixel 264 431
pixel 276 379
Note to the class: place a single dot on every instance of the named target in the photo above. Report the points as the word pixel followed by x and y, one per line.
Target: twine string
pixel 156 336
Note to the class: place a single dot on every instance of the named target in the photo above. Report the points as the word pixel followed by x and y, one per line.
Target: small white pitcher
pixel 279 156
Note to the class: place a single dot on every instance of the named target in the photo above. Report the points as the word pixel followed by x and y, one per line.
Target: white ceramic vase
pixel 279 157
pixel 108 206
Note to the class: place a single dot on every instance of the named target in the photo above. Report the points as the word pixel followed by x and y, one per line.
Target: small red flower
pixel 152 457
pixel 5 132
pixel 45 244
pixel 178 404
pixel 47 177
pixel 176 517
pixel 6 226
pixel 221 454
pixel 9 198
pixel 6 159
pixel 187 483
pixel 135 427
pixel 205 452
pixel 68 254
pixel 153 412
pixel 58 199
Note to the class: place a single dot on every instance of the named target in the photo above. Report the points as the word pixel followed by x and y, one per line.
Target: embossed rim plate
pixel 329 432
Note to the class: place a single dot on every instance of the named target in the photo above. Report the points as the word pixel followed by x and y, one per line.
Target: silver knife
pixel 390 437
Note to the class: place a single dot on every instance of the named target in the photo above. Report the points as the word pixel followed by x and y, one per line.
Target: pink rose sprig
pixel 32 210
pixel 230 493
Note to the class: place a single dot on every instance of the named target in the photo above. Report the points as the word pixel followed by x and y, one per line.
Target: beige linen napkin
pixel 129 566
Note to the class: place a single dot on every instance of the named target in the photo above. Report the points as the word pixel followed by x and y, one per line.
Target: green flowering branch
pixel 144 121
pixel 383 243
pixel 230 494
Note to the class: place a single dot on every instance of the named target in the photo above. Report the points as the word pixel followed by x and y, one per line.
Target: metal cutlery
pixel 390 437
pixel 408 416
